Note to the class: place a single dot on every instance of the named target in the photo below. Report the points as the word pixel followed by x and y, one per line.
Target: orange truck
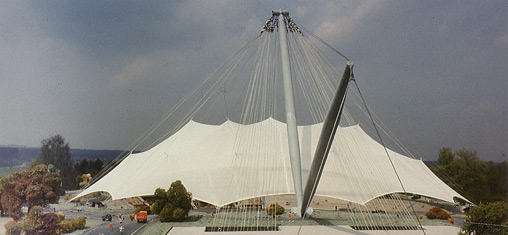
pixel 141 216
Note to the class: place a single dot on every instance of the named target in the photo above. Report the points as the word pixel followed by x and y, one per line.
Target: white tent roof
pixel 221 164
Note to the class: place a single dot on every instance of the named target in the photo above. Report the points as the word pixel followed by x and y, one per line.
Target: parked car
pixel 107 217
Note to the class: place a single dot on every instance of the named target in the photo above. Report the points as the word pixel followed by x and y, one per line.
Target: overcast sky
pixel 102 72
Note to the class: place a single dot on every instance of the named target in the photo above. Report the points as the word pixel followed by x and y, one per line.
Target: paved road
pixel 129 227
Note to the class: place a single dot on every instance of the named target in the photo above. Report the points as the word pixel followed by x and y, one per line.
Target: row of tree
pixel 56 152
pixel 484 183
pixel 475 179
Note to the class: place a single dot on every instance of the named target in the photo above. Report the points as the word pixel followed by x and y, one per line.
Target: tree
pixel 12 203
pixel 487 219
pixel 160 201
pixel 174 204
pixel 4 183
pixel 96 166
pixel 55 151
pixel 32 187
pixel 497 179
pixel 89 167
pixel 445 156
pixel 463 171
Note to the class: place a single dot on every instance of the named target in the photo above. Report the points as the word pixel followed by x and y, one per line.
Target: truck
pixel 141 216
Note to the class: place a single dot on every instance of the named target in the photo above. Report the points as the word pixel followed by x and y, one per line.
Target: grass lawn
pixel 323 218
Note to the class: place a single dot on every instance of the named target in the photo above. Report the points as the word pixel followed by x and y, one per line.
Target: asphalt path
pixel 129 227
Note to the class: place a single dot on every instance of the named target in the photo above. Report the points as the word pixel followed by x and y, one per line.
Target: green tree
pixel 477 180
pixel 89 167
pixel 445 156
pixel 160 201
pixel 174 204
pixel 179 197
pixel 487 219
pixel 497 179
pixel 96 166
pixel 55 151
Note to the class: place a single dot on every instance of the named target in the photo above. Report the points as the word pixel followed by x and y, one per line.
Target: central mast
pixel 294 146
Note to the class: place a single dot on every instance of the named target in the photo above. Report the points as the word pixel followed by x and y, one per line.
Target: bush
pixel 275 209
pixel 61 215
pixel 50 223
pixel 171 214
pixel 495 213
pixel 79 223
pixel 65 227
pixel 33 222
pixel 437 213
pixel 13 228
pixel 69 226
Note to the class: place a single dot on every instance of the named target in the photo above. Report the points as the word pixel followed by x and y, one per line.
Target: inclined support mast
pixel 294 146
pixel 330 126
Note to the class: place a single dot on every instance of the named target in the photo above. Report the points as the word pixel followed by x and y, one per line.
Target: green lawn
pixel 324 218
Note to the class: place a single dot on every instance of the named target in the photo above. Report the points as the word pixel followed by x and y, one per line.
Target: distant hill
pixel 20 155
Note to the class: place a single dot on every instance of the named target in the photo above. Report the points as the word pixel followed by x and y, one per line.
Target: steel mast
pixel 330 126
pixel 294 146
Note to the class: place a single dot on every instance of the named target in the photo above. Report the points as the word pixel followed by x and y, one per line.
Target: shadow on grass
pixel 326 222
pixel 321 221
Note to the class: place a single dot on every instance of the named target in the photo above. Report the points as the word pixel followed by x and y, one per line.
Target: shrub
pixel 13 228
pixel 61 215
pixel 65 227
pixel 33 222
pixel 50 223
pixel 69 226
pixel 495 213
pixel 437 213
pixel 275 209
pixel 79 223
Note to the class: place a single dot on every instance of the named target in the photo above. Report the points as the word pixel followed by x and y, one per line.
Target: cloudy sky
pixel 100 73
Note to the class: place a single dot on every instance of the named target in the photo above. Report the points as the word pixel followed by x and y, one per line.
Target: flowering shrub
pixel 13 228
pixel 437 213
pixel 275 209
